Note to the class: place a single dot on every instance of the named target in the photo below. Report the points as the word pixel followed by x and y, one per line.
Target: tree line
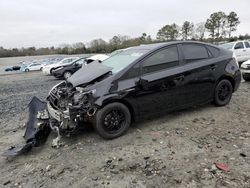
pixel 217 28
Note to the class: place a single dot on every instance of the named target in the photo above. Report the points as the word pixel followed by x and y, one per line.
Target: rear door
pixel 199 61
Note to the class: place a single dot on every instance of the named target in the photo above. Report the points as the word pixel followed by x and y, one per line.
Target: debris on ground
pixel 222 167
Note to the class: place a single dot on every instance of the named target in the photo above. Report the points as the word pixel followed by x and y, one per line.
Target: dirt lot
pixel 177 150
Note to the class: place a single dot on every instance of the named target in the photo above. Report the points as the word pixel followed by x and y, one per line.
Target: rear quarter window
pixel 194 52
pixel 215 52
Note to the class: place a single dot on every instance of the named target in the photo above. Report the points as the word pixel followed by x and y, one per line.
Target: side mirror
pixel 143 84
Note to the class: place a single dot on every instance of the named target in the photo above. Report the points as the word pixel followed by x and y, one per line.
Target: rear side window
pixel 247 45
pixel 214 51
pixel 194 52
pixel 162 59
pixel 239 45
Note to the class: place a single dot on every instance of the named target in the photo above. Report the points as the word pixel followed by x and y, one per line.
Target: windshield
pixel 123 59
pixel 227 46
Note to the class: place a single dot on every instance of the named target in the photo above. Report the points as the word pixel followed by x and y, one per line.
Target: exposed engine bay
pixel 68 106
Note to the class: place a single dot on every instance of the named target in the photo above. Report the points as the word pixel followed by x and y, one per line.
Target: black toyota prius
pixel 143 81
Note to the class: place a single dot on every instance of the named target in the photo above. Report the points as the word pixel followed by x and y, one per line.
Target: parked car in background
pixel 245 70
pixel 47 69
pixel 99 57
pixel 240 48
pixel 67 70
pixel 143 81
pixel 32 67
pixel 13 68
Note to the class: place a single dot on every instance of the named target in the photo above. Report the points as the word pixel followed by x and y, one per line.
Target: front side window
pixel 194 52
pixel 239 45
pixel 162 59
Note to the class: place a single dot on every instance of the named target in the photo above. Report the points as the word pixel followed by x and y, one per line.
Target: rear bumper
pixel 46 71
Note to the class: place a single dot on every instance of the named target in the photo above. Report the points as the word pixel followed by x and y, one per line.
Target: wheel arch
pixel 124 102
pixel 229 78
pixel 67 71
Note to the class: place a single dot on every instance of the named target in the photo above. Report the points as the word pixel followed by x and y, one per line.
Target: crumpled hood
pixel 88 73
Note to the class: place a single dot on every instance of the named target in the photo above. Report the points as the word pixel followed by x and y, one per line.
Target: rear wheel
pixel 67 74
pixel 223 93
pixel 112 121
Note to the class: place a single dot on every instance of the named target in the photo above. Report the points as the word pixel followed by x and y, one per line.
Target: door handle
pixel 179 78
pixel 213 67
pixel 244 50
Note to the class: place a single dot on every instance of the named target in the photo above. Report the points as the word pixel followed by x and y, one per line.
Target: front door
pixel 163 85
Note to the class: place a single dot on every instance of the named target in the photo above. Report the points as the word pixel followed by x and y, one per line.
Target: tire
pixel 51 70
pixel 26 70
pixel 109 128
pixel 223 93
pixel 67 74
pixel 246 77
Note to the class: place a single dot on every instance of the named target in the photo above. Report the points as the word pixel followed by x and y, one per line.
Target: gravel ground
pixel 177 150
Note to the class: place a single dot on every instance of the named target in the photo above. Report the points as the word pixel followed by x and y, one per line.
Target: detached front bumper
pixel 37 128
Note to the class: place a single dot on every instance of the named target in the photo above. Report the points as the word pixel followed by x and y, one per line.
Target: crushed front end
pixel 69 107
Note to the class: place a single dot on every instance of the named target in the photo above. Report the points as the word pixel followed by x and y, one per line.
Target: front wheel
pixel 223 93
pixel 112 121
pixel 27 70
pixel 67 74
pixel 51 70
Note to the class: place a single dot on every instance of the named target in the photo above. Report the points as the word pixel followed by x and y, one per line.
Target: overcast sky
pixel 54 22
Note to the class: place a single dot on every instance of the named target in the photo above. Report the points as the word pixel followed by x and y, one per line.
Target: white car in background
pixel 245 70
pixel 47 69
pixel 99 57
pixel 33 67
pixel 241 49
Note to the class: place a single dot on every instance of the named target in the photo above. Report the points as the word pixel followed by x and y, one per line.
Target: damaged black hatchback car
pixel 142 81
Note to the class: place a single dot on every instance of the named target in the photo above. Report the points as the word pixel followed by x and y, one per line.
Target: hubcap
pixel 114 121
pixel 223 92
pixel 67 75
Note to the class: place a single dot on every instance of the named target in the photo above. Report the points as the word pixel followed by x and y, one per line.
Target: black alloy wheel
pixel 223 93
pixel 112 121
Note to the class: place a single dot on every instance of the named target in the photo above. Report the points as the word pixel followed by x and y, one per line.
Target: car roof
pixel 162 44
